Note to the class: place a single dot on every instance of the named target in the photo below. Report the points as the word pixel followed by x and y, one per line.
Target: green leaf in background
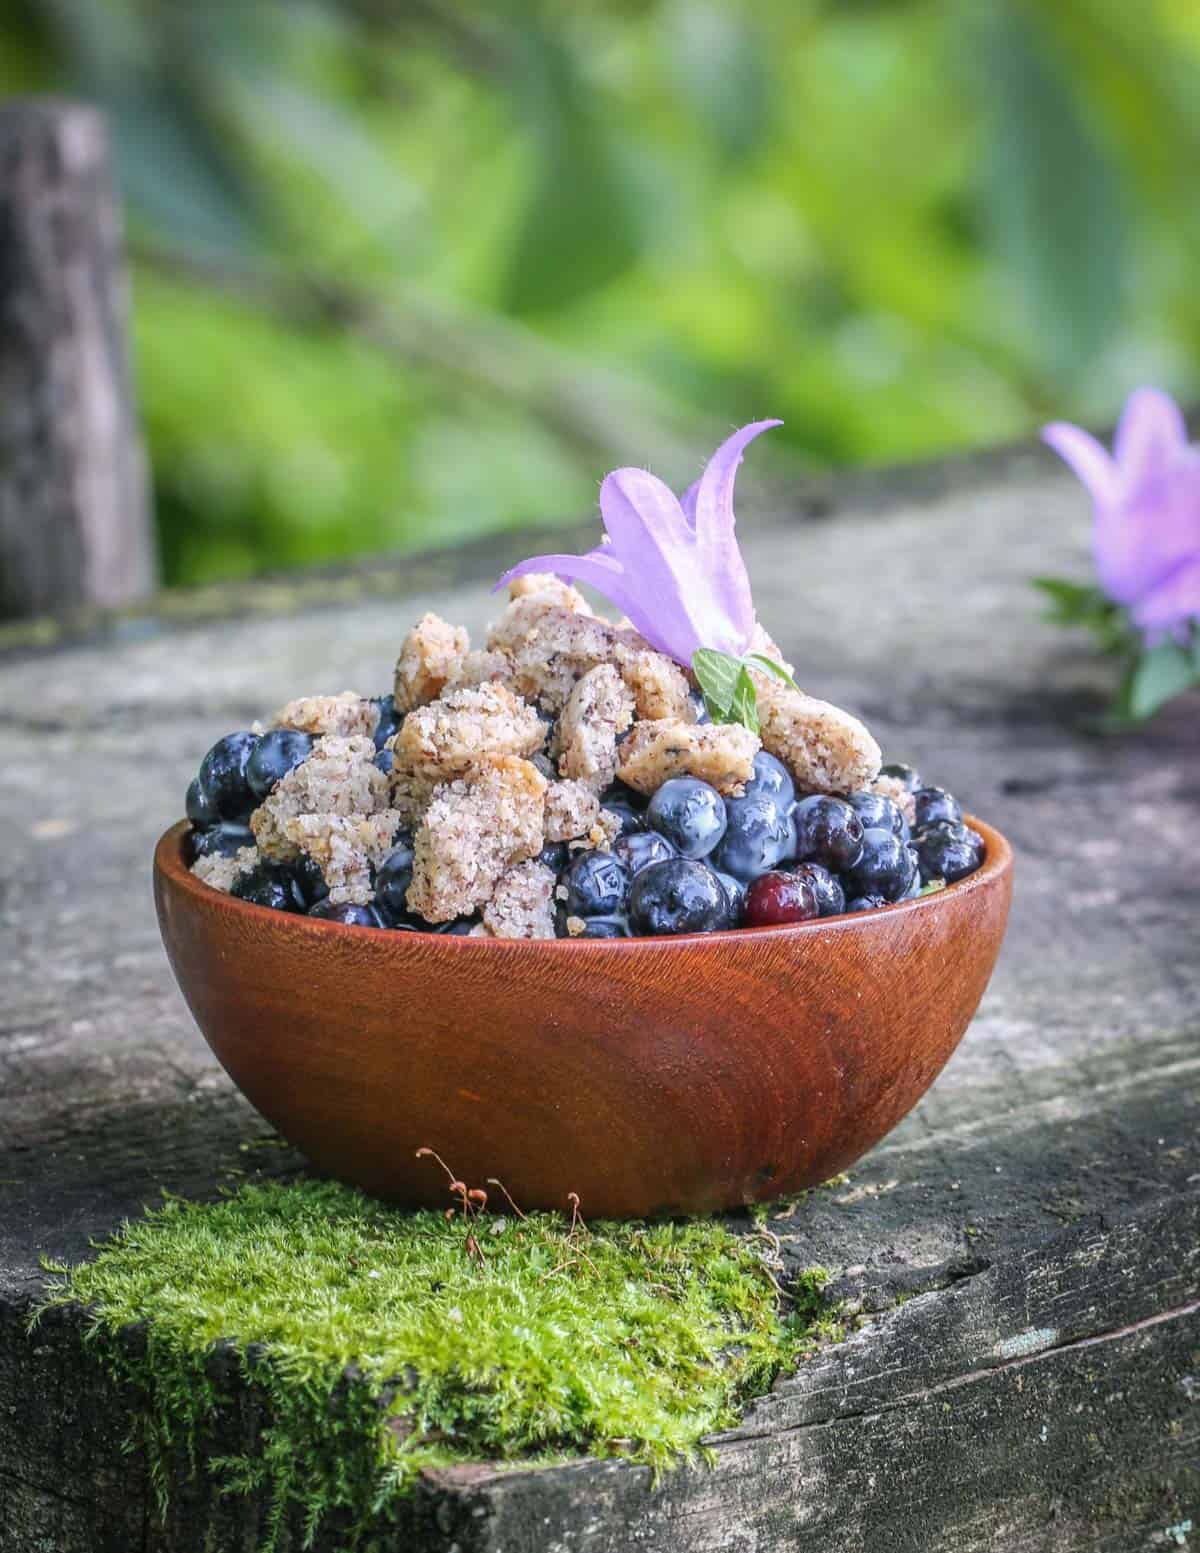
pixel 717 675
pixel 1163 673
pixel 577 231
pixel 1052 195
pixel 718 56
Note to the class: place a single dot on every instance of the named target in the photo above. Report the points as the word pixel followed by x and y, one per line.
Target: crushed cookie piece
pixel 721 754
pixel 222 872
pixel 339 777
pixel 551 589
pixel 598 710
pixel 427 658
pixel 522 903
pixel 477 668
pixel 572 809
pixel 345 715
pixel 825 749
pixel 473 831
pixel 346 847
pixel 660 687
pixel 551 648
pixel 464 730
pixel 893 788
pixel 576 927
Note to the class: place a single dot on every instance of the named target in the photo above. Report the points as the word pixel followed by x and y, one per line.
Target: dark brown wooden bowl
pixel 651 1076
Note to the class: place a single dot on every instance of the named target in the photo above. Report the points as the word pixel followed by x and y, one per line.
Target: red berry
pixel 778 897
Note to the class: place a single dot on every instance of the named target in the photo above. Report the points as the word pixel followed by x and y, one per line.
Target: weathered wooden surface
pixel 1042 1391
pixel 74 513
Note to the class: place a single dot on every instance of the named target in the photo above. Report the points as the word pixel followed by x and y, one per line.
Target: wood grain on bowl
pixel 650 1076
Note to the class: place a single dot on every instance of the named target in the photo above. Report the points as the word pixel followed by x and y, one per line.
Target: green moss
pixel 384 1344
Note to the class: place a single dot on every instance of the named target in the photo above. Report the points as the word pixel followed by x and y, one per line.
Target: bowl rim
pixel 169 865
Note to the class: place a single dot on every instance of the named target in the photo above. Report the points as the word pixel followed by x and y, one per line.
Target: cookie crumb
pixel 221 873
pixel 659 686
pixel 339 777
pixel 346 848
pixel 599 709
pixel 721 754
pixel 428 656
pixel 572 809
pixel 464 730
pixel 346 715
pixel 522 903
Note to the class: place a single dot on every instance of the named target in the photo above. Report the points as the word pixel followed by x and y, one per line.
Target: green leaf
pixel 1053 195
pixel 724 73
pixel 1074 602
pixel 760 661
pixel 744 709
pixel 717 674
pixel 1163 673
pixel 933 886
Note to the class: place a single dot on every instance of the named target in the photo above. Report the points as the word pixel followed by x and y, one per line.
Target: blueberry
pixel 679 896
pixel 735 893
pixel 389 720
pixel 949 854
pixel 690 814
pixel 771 779
pixel 827 832
pixel 934 804
pixel 555 855
pixel 593 927
pixel 905 775
pixel 385 760
pixel 200 810
pixel 222 780
pixel 641 848
pixel 698 707
pixel 866 903
pixel 758 836
pixel 267 885
pixel 222 840
pixel 347 913
pixel 596 884
pixel 831 898
pixel 621 801
pixel 778 898
pixel 459 928
pixel 884 867
pixel 393 877
pixel 277 752
pixel 310 879
pixel 879 813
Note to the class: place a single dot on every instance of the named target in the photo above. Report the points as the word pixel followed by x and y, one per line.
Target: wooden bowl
pixel 651 1076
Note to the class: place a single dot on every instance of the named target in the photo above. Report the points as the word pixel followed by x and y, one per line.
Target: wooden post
pixel 74 508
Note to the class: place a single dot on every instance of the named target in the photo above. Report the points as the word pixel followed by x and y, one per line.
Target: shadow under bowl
pixel 651 1076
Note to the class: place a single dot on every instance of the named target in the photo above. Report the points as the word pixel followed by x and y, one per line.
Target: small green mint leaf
pixel 933 886
pixel 760 661
pixel 744 708
pixel 717 675
pixel 1161 674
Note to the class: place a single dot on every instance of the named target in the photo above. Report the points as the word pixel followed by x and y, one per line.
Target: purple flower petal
pixel 1171 602
pixel 716 539
pixel 1150 435
pixel 1090 460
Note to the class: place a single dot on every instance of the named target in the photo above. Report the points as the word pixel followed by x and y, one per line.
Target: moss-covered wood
pixel 1021 1252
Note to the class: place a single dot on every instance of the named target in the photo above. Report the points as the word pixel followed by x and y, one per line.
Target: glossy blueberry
pixel 385 760
pixel 884 867
pixel 279 751
pixel 945 853
pixel 735 894
pixel 827 832
pixel 393 877
pixel 459 928
pixel 222 780
pixel 310 879
pixel 831 898
pixel 758 837
pixel 626 805
pixel 268 886
pixel 389 720
pixel 879 813
pixel 555 855
pixel 593 927
pixel 934 804
pixel 679 896
pixel 698 707
pixel 865 903
pixel 222 840
pixel 347 913
pixel 200 811
pixel 908 778
pixel 780 897
pixel 597 885
pixel 641 848
pixel 690 814
pixel 771 779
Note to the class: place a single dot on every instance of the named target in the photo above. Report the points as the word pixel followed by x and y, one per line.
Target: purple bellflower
pixel 672 564
pixel 1146 495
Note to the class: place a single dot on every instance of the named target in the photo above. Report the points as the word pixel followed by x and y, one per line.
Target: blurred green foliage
pixel 406 270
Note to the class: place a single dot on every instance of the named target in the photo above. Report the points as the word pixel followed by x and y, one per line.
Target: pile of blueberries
pixel 686 861
pixel 690 861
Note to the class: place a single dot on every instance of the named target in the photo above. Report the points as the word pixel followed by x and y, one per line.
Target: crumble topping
pixel 599 709
pixel 660 687
pixel 339 777
pixel 222 872
pixel 721 754
pixel 466 729
pixel 345 715
pixel 522 905
pixel 572 810
pixel 427 656
pixel 346 848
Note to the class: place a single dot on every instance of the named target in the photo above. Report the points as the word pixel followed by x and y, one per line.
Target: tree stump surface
pixel 74 506
pixel 1025 1246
